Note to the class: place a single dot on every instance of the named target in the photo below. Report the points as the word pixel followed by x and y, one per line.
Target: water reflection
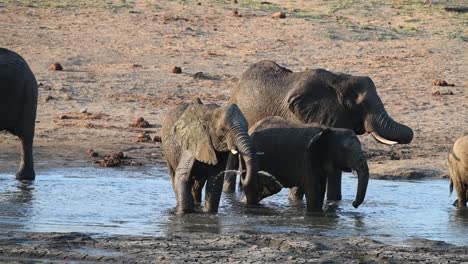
pixel 141 202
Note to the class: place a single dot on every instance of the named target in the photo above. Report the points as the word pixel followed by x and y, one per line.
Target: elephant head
pixel 341 149
pixel 206 130
pixel 345 101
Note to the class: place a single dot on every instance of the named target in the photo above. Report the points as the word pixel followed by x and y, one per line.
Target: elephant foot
pixel 183 211
pixel 26 175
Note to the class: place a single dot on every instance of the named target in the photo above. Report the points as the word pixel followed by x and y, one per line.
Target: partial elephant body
pixel 331 99
pixel 18 105
pixel 458 166
pixel 305 155
pixel 196 141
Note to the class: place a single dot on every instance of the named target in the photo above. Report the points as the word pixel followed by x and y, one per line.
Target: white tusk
pixel 260 153
pixel 233 151
pixel 383 140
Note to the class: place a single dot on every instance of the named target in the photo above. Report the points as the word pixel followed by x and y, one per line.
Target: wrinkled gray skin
pixel 458 167
pixel 305 155
pixel 317 95
pixel 18 104
pixel 196 141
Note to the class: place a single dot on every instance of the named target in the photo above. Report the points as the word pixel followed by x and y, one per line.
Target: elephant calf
pixel 458 166
pixel 197 140
pixel 18 104
pixel 305 155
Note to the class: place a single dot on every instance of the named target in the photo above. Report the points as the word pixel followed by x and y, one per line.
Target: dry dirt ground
pixel 118 58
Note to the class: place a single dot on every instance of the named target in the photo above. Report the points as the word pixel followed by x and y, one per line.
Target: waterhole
pixel 141 201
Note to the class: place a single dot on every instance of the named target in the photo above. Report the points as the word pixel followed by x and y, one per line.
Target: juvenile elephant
pixel 317 95
pixel 196 141
pixel 458 166
pixel 304 155
pixel 18 104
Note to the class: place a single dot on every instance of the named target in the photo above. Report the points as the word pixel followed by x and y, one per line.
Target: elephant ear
pixel 312 96
pixel 193 133
pixel 319 139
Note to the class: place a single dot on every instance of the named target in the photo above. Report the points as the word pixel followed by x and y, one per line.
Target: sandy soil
pixel 118 59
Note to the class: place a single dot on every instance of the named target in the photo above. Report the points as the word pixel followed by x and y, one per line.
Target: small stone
pixel 67 97
pixel 439 82
pixel 137 66
pixel 162 258
pixel 92 153
pixel 48 98
pixel 278 15
pixel 177 70
pixel 234 1
pixel 63 117
pixel 235 13
pixel 290 258
pixel 55 67
pixel 157 138
pixel 84 110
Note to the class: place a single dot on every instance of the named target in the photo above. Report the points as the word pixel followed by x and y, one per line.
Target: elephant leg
pixel 462 194
pixel 230 175
pixel 315 192
pixel 295 194
pixel 213 190
pixel 26 170
pixel 183 184
pixel 334 186
pixel 197 191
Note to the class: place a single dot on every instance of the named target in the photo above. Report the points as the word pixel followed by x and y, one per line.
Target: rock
pixel 55 67
pixel 140 122
pixel 63 117
pixel 143 137
pixel 234 1
pixel 92 153
pixel 48 98
pixel 278 15
pixel 176 70
pixel 439 82
pixel 157 138
pixel 67 97
pixel 235 13
pixel 290 258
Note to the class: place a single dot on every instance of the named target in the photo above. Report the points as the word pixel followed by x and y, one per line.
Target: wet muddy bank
pixel 215 248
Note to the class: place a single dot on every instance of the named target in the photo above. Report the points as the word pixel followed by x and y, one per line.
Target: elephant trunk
pixel 362 171
pixel 384 129
pixel 245 146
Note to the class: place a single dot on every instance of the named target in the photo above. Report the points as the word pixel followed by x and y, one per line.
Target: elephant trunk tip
pixel 356 204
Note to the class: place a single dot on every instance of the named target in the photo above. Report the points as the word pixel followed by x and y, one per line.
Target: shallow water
pixel 140 202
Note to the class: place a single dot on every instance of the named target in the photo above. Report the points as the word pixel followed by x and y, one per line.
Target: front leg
pixel 26 170
pixel 197 191
pixel 214 187
pixel 183 183
pixel 315 187
pixel 334 185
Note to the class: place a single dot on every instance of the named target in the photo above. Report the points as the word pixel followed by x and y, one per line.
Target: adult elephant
pixel 305 155
pixel 196 140
pixel 458 167
pixel 18 104
pixel 331 99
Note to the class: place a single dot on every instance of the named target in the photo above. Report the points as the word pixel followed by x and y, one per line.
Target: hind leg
pixel 26 170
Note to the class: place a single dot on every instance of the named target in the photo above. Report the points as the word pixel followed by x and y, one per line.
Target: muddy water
pixel 140 202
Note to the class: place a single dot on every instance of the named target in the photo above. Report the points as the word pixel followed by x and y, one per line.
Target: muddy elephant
pixel 18 105
pixel 332 99
pixel 458 167
pixel 305 155
pixel 197 140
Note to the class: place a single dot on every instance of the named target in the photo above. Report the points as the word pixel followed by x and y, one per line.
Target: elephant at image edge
pixel 304 155
pixel 317 95
pixel 18 105
pixel 197 140
pixel 458 167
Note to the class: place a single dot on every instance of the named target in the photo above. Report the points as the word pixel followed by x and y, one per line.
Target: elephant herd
pixel 280 128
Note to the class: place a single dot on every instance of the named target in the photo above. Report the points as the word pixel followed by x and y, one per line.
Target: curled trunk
pixel 245 146
pixel 363 178
pixel 384 129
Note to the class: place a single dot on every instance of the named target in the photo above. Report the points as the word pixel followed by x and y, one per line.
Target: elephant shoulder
pixel 265 69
